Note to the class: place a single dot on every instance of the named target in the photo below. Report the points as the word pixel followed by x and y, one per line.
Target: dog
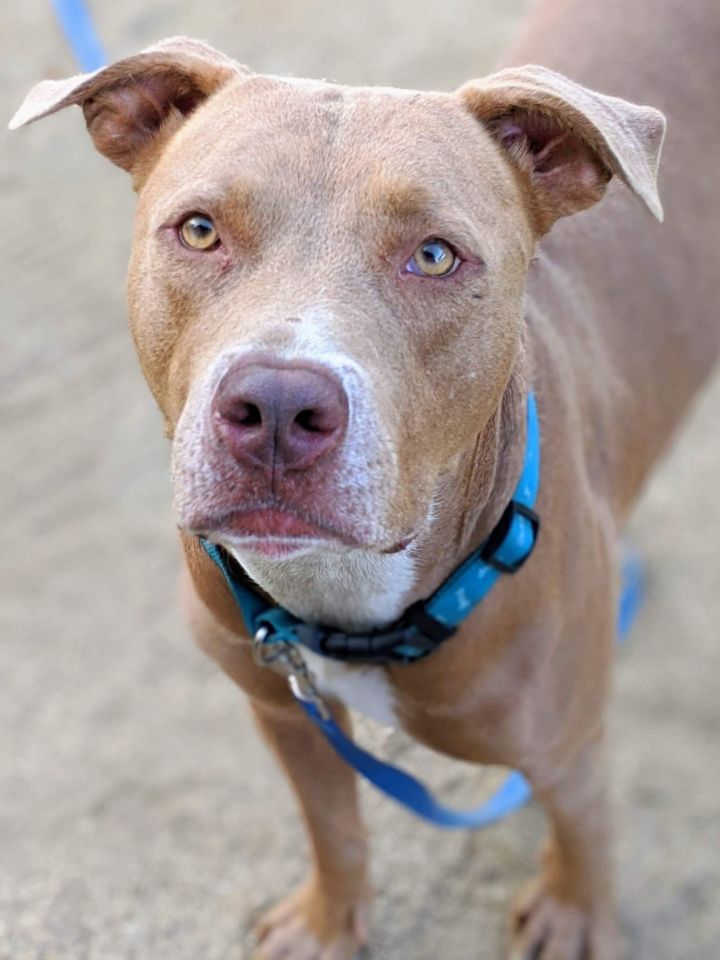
pixel 342 299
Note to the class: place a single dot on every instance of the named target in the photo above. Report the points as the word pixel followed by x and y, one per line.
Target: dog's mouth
pixel 273 530
pixel 276 531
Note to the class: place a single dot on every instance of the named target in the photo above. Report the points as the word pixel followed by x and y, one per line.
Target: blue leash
pixel 415 796
pixel 77 25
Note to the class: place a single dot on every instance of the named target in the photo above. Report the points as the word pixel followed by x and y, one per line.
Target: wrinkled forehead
pixel 318 142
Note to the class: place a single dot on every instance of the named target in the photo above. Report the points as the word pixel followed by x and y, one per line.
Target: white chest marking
pixel 362 688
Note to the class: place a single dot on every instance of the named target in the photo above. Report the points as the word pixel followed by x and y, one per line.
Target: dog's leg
pixel 568 913
pixel 326 918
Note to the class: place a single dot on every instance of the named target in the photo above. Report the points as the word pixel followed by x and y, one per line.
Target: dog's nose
pixel 279 417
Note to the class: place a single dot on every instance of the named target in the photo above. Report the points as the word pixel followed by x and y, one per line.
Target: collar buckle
pixel 415 635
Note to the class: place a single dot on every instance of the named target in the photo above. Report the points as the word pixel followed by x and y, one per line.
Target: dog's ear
pixel 568 141
pixel 130 104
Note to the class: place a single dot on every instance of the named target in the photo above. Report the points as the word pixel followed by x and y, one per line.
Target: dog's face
pixel 352 322
pixel 326 283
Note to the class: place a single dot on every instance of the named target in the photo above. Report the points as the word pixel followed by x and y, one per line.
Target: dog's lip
pixel 282 526
pixel 273 521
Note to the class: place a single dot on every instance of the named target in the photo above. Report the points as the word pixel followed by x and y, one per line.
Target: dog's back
pixel 622 294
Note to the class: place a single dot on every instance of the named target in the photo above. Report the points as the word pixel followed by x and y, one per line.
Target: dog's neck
pixel 472 497
pixel 361 589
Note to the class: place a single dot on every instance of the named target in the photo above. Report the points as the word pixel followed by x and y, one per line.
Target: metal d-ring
pixel 286 658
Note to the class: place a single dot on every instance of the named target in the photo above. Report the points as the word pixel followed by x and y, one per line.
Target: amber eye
pixel 199 232
pixel 434 258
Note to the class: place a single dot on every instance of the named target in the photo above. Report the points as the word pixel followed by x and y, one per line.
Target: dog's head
pixel 326 283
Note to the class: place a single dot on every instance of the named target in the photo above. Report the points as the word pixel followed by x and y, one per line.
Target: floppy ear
pixel 128 104
pixel 568 141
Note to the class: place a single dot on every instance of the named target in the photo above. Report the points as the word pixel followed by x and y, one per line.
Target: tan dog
pixel 340 305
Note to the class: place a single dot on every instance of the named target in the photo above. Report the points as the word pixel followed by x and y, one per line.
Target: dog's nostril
pixel 245 415
pixel 252 416
pixel 308 420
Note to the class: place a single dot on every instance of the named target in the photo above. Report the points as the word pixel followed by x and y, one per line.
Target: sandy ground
pixel 139 816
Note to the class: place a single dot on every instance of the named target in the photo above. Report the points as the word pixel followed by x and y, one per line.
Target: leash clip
pixel 285 658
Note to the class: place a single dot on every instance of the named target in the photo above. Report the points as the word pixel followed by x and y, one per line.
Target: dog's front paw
pixel 309 925
pixel 545 928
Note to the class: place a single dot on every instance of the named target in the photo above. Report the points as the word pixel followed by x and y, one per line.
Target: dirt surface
pixel 139 815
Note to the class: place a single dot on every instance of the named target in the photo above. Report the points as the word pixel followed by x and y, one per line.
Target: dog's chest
pixel 366 689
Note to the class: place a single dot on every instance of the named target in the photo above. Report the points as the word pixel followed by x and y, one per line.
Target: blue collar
pixel 427 624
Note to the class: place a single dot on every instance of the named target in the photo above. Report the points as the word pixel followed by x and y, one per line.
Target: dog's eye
pixel 199 232
pixel 434 258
